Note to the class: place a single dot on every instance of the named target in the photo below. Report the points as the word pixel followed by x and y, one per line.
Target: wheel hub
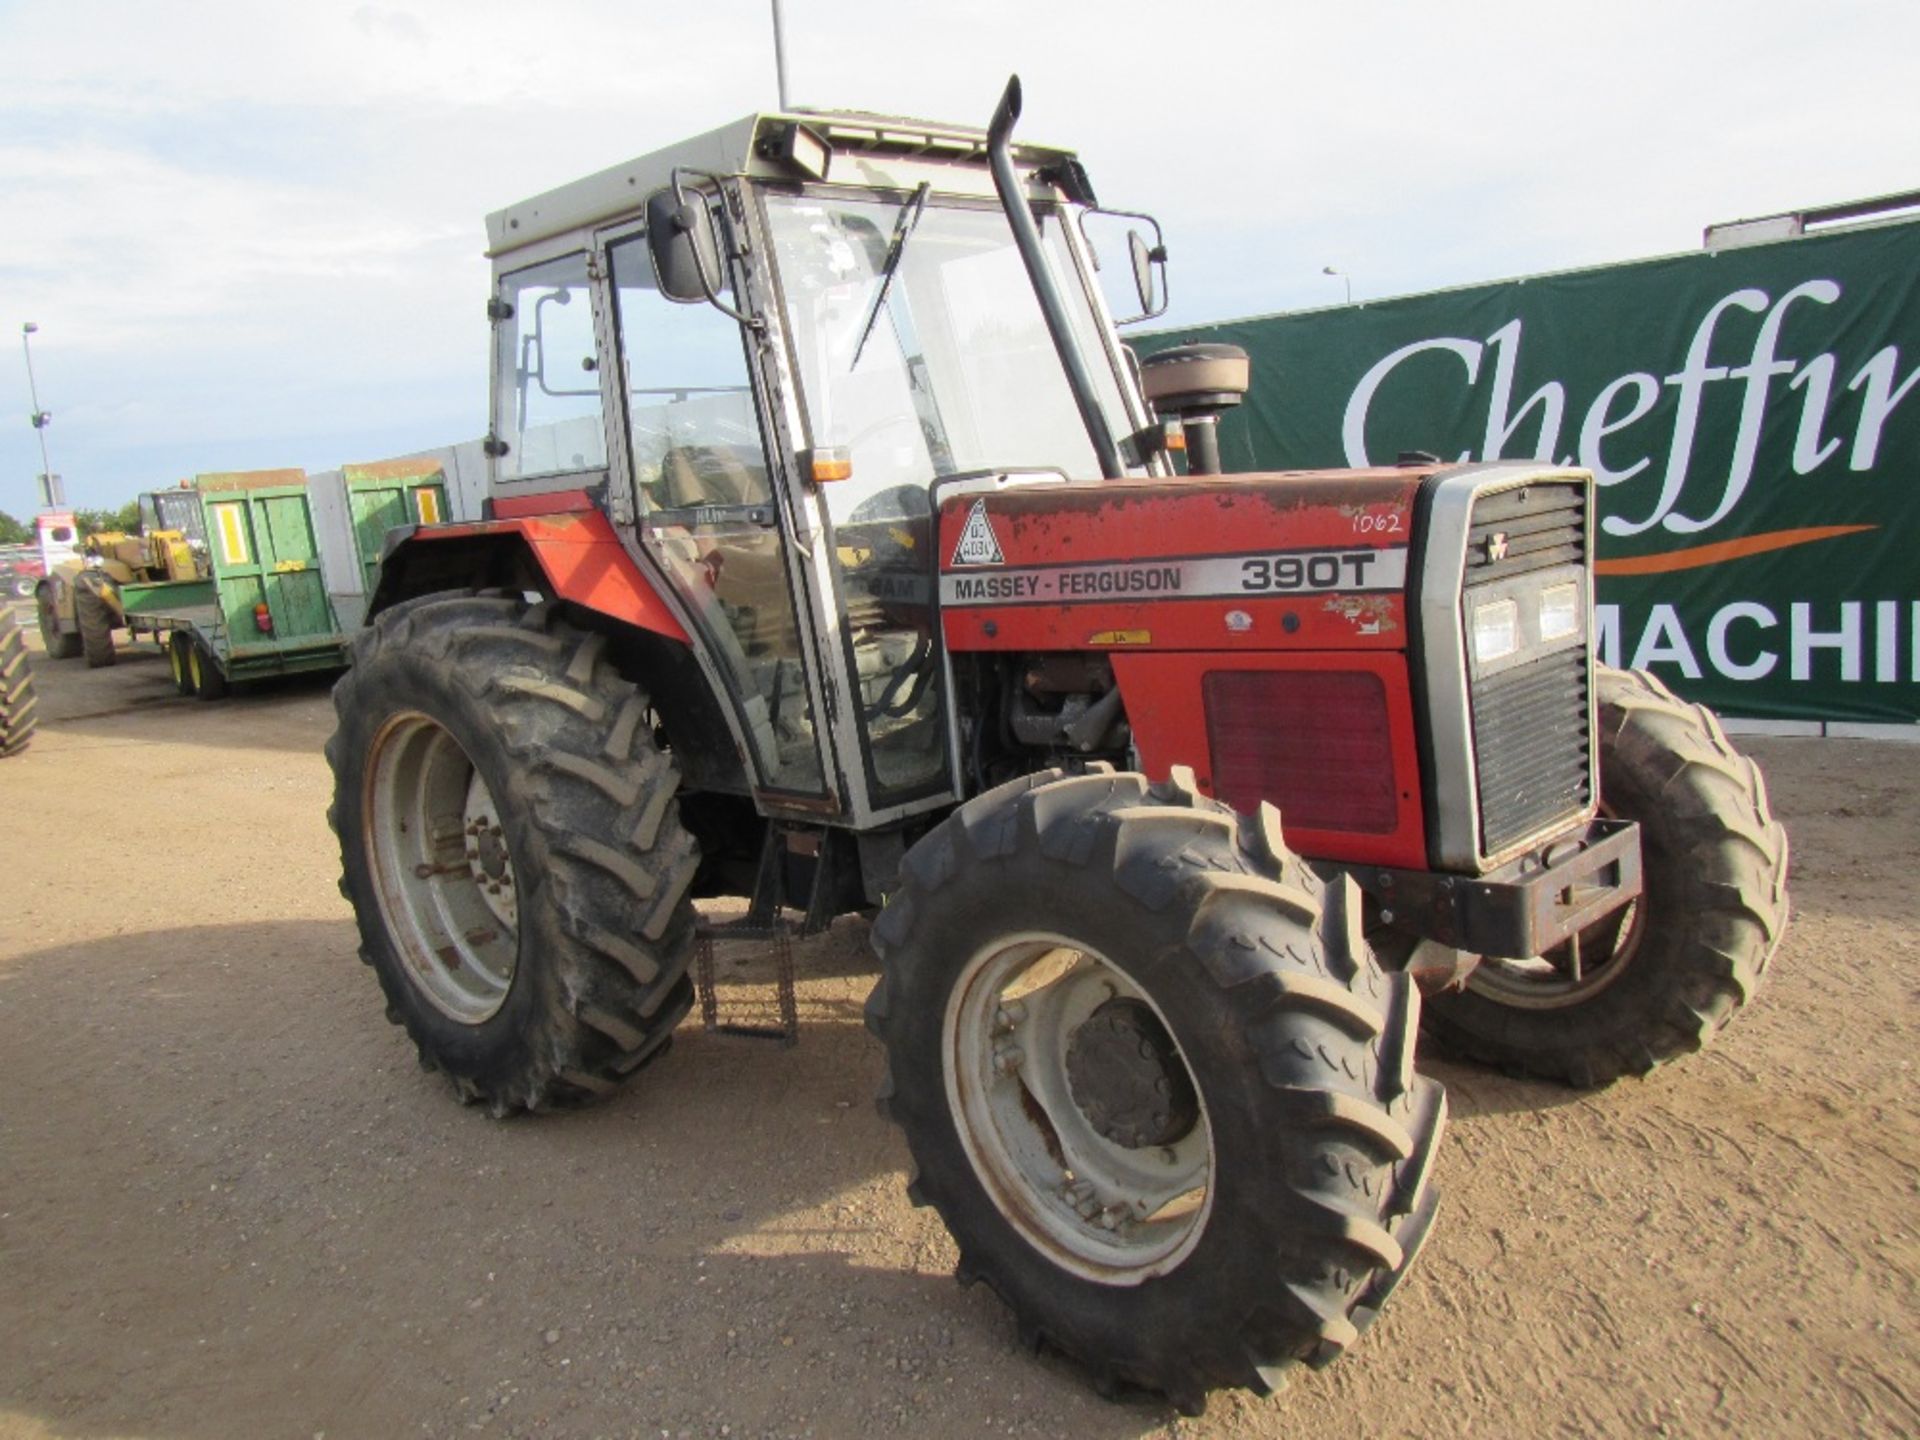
pixel 1126 1076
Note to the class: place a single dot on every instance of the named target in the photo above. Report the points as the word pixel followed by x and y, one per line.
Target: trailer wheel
pixel 22 586
pixel 17 701
pixel 206 679
pixel 513 850
pixel 1153 1081
pixel 180 661
pixel 95 618
pixel 1661 978
pixel 59 644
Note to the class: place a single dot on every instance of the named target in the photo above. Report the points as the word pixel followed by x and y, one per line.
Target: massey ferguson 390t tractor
pixel 838 555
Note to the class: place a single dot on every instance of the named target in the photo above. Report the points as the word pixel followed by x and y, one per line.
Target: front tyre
pixel 513 850
pixel 96 620
pixel 60 644
pixel 1153 1080
pixel 1662 977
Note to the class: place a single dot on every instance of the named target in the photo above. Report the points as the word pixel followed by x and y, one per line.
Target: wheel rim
pixel 1570 974
pixel 49 627
pixel 1101 1168
pixel 174 663
pixel 441 869
pixel 193 668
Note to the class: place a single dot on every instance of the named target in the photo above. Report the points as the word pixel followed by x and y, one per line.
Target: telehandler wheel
pixel 1153 1080
pixel 513 850
pixel 180 661
pixel 205 679
pixel 17 700
pixel 60 645
pixel 1663 978
pixel 95 618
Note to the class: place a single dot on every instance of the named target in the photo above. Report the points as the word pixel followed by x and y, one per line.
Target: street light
pixel 49 482
pixel 1343 277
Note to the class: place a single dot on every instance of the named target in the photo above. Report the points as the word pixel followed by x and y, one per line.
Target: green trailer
pixel 270 601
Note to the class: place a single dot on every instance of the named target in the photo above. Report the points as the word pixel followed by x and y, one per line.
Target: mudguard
pixel 572 543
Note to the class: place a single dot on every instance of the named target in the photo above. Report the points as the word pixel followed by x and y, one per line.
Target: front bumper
pixel 1526 907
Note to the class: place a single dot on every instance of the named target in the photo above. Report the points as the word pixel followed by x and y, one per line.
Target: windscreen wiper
pixel 903 227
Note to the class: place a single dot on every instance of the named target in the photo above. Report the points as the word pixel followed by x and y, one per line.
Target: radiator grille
pixel 1516 532
pixel 1530 742
pixel 1531 723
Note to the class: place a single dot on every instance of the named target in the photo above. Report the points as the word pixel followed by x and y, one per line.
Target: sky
pixel 252 235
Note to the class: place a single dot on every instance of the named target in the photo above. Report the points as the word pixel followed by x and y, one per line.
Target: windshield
pixel 958 372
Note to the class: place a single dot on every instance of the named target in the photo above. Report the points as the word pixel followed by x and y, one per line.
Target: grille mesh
pixel 1530 724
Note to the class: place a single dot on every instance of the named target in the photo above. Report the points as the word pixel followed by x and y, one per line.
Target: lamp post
pixel 1341 275
pixel 41 418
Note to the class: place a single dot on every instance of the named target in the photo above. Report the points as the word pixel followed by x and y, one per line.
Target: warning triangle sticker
pixel 978 545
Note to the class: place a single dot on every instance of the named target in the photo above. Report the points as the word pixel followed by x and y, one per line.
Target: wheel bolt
pixel 1007 1059
pixel 1112 1216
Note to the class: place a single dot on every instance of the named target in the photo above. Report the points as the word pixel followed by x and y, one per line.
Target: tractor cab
pixel 761 350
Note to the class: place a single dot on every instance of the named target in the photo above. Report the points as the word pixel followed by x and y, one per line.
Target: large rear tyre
pixel 60 644
pixel 1661 978
pixel 513 850
pixel 18 703
pixel 1153 1081
pixel 96 619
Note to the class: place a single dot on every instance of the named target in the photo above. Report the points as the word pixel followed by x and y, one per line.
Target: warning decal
pixel 978 544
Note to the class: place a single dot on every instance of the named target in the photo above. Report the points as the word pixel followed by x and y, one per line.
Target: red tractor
pixel 840 556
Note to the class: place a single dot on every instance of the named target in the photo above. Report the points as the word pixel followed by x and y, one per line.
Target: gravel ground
pixel 232 1205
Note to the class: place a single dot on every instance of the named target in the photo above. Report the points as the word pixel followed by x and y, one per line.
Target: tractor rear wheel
pixel 18 703
pixel 1153 1080
pixel 1662 977
pixel 513 850
pixel 61 645
pixel 95 618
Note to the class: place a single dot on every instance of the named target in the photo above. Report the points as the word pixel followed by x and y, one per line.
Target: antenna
pixel 780 54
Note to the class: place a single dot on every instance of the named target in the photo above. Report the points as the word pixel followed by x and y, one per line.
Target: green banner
pixel 1752 417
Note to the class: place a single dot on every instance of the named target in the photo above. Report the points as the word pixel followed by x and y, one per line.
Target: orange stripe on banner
pixel 1698 555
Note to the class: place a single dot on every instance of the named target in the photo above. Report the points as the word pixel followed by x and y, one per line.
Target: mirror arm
pixel 683 219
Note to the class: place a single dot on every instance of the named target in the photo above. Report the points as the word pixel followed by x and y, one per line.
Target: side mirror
pixel 681 245
pixel 1101 230
pixel 1149 275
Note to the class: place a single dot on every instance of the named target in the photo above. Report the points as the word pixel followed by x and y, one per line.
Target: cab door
pixel 704 498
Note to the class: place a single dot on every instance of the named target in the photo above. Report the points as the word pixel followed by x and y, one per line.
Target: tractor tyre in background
pixel 512 846
pixel 180 661
pixel 59 644
pixel 18 703
pixel 95 618
pixel 1662 978
pixel 204 675
pixel 1153 1080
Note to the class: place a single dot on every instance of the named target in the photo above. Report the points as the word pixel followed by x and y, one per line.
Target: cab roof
pixel 882 151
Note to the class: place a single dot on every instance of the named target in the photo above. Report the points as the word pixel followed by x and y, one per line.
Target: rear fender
pixel 573 556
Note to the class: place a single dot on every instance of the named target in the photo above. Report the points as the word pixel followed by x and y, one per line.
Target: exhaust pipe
pixel 1026 238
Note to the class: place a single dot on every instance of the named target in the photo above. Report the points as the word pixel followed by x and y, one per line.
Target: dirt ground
pixel 232 1205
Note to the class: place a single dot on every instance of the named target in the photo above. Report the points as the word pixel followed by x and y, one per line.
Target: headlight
pixel 1559 612
pixel 1496 630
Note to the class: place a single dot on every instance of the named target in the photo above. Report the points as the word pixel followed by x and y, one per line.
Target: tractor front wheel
pixel 96 619
pixel 1153 1080
pixel 1662 976
pixel 513 850
pixel 17 700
